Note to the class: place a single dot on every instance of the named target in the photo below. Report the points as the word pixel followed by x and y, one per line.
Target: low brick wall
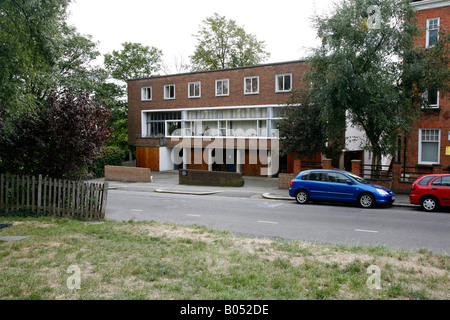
pixel 130 174
pixel 284 180
pixel 381 182
pixel 210 178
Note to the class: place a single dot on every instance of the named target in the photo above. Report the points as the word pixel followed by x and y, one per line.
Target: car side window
pixel 445 181
pixel 437 182
pixel 426 180
pixel 305 176
pixel 337 177
pixel 317 176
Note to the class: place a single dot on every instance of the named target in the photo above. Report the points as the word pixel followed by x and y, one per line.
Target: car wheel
pixel 366 200
pixel 302 196
pixel 429 203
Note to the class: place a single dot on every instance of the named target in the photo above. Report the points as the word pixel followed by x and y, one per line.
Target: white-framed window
pixel 195 89
pixel 146 94
pixel 432 31
pixel 222 87
pixel 429 145
pixel 283 82
pixel 431 99
pixel 251 85
pixel 169 91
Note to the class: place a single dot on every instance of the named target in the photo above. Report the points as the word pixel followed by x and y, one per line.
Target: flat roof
pixel 218 70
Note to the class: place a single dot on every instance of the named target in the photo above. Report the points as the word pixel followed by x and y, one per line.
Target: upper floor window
pixel 431 99
pixel 222 87
pixel 169 91
pixel 432 31
pixel 283 82
pixel 146 93
pixel 251 85
pixel 195 89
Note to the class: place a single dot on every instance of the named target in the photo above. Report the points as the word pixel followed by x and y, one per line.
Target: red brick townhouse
pixel 224 120
pixel 429 142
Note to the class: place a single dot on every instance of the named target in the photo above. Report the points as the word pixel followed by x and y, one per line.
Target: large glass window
pixel 156 123
pixel 429 140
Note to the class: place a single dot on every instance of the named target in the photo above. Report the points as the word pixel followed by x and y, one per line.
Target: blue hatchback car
pixel 336 185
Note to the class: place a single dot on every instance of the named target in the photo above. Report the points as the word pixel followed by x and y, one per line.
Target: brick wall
pixel 284 180
pixel 236 97
pixel 431 119
pixel 130 174
pixel 210 178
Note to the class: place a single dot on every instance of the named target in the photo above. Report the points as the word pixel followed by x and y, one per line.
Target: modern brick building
pixel 224 120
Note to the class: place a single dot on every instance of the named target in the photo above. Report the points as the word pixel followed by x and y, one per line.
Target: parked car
pixel 431 191
pixel 338 185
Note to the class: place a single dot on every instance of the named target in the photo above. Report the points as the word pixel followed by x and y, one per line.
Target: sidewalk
pixel 254 187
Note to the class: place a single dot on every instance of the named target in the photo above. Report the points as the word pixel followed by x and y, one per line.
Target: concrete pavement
pixel 254 187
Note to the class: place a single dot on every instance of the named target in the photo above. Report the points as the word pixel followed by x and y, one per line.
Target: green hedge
pixel 111 156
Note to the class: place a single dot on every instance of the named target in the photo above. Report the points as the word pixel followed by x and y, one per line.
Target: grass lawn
pixel 151 260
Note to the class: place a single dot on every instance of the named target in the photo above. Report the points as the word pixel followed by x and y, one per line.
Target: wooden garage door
pixel 147 157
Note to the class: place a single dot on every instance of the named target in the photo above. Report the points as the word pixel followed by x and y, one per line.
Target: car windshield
pixel 357 178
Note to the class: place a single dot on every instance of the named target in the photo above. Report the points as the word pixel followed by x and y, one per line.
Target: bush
pixel 58 140
pixel 108 156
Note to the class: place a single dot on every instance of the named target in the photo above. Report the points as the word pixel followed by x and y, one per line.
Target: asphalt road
pixel 395 227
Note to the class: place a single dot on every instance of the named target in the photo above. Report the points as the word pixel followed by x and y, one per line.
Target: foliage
pixel 221 44
pixel 39 52
pixel 133 61
pixel 112 156
pixel 301 130
pixel 28 31
pixel 369 76
pixel 23 213
pixel 59 139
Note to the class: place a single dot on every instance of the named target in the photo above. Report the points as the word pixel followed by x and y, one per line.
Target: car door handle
pixel 434 188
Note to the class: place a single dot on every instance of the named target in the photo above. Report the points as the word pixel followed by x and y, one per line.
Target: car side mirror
pixel 349 182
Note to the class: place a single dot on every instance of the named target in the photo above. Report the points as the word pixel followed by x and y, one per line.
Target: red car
pixel 431 191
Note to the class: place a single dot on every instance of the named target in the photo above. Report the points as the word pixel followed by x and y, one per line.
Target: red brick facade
pixel 433 118
pixel 147 147
pixel 236 97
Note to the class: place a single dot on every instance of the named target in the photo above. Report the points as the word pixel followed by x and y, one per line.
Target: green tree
pixel 39 52
pixel 221 43
pixel 369 75
pixel 28 33
pixel 133 61
pixel 301 130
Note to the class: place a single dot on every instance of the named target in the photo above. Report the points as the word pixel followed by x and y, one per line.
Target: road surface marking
pixel 193 215
pixel 137 210
pixel 270 222
pixel 361 230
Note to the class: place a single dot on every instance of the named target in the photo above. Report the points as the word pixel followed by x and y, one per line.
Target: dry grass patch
pixel 152 260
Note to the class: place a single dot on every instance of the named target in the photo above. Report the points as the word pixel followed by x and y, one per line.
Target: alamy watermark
pixel 374 280
pixel 74 281
pixel 220 150
pixel 374 17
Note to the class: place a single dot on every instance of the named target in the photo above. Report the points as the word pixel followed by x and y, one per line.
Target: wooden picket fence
pixel 60 198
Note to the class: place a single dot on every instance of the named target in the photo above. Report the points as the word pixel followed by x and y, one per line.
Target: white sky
pixel 285 25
